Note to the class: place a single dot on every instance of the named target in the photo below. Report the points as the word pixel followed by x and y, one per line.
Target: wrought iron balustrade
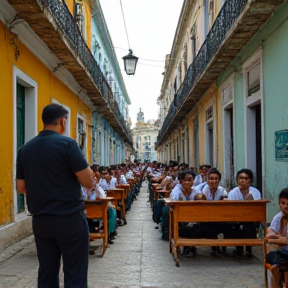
pixel 228 14
pixel 66 22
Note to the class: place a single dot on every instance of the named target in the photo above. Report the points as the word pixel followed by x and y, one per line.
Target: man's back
pixel 48 164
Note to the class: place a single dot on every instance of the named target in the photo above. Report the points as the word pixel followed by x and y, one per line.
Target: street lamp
pixel 130 62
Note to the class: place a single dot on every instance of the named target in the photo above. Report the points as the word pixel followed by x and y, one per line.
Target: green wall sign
pixel 281 145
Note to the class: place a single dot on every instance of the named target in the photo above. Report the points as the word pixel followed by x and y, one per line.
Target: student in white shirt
pixel 202 176
pixel 214 192
pixel 244 191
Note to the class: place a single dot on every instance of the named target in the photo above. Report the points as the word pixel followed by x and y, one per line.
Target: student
pixel 244 191
pixel 202 176
pixel 184 189
pixel 214 192
pixel 277 234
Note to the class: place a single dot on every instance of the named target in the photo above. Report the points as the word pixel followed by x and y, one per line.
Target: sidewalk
pixel 140 258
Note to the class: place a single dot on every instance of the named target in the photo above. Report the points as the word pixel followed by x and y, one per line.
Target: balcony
pixel 53 23
pixel 237 22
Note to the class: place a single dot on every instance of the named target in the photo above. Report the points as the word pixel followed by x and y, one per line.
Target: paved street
pixel 139 258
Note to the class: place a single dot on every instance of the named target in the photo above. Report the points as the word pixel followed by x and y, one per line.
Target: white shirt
pixel 99 190
pixel 123 179
pixel 199 186
pixel 177 193
pixel 112 184
pixel 235 194
pixel 219 193
pixel 103 183
pixel 198 180
pixel 276 222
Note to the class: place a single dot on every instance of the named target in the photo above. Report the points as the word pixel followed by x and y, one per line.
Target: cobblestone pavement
pixel 140 258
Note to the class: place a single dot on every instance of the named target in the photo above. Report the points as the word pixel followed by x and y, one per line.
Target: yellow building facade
pixel 29 82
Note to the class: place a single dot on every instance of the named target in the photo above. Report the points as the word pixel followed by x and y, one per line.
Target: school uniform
pixel 235 194
pixel 244 229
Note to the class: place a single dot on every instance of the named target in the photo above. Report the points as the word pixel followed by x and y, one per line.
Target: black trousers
pixel 65 236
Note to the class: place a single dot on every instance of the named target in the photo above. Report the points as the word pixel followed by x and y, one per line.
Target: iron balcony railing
pixel 228 14
pixel 66 22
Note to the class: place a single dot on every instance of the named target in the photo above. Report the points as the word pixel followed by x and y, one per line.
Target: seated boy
pixel 278 234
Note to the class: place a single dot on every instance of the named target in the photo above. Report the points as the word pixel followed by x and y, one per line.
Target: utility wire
pixel 141 58
pixel 125 24
pixel 149 64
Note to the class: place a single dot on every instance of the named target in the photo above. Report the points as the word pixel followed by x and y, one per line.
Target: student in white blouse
pixel 214 192
pixel 244 191
pixel 184 190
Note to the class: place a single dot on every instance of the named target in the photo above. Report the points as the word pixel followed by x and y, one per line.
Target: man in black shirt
pixel 50 169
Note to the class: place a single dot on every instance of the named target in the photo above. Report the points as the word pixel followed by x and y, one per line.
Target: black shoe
pixel 110 241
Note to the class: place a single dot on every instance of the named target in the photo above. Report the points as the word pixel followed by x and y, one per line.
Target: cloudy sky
pixel 151 26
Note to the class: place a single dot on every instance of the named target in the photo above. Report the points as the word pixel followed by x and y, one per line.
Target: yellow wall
pixel 48 87
pixel 213 94
pixel 88 16
pixel 70 5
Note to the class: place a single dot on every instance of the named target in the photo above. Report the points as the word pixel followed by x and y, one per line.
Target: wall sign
pixel 281 145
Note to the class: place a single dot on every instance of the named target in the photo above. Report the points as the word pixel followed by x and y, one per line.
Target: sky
pixel 151 26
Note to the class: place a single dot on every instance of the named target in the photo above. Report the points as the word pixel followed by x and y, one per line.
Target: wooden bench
pixel 213 211
pixel 98 209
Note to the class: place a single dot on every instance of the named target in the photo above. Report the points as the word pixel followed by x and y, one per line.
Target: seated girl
pixel 244 191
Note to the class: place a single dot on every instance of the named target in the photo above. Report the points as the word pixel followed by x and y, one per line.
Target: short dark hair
pixel 207 166
pixel 94 167
pixel 101 169
pixel 214 171
pixel 245 171
pixel 181 175
pixel 283 193
pixel 51 113
pixel 189 172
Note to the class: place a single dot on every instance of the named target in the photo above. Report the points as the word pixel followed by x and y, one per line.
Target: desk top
pixel 169 201
pixel 218 211
pixel 163 191
pixel 99 200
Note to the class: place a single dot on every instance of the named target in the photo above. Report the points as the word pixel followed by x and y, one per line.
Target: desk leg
pixel 105 227
pixel 175 236
pixel 175 253
pixel 170 230
pixel 123 210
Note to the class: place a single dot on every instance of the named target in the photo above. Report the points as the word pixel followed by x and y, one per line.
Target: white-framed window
pixel 80 18
pixel 68 122
pixel 24 124
pixel 253 117
pixel 210 130
pixel 81 133
pixel 227 98
pixel 193 38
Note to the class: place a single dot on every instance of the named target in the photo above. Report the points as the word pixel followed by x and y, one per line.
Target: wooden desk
pixel 162 192
pixel 126 188
pixel 213 211
pixel 118 195
pixel 98 209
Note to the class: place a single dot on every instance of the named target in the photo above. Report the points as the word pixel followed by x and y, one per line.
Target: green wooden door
pixel 20 133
